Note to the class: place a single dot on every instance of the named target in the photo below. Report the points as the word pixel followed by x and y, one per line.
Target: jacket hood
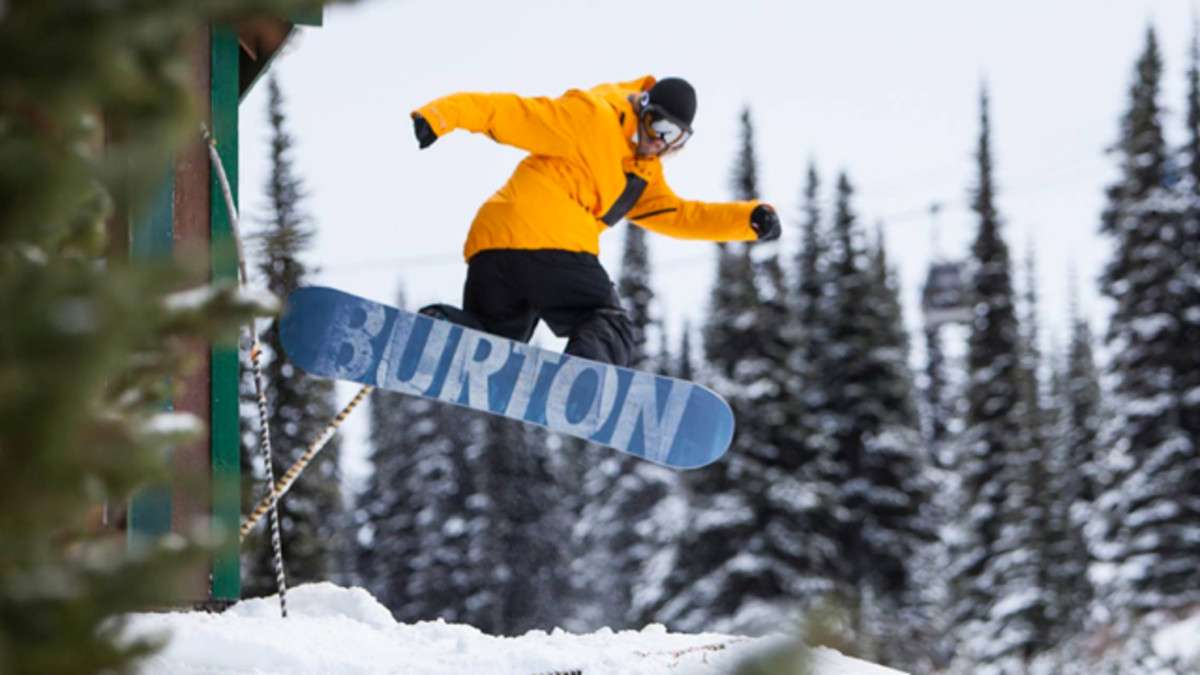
pixel 617 94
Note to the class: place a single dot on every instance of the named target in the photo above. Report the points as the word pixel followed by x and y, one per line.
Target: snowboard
pixel 672 422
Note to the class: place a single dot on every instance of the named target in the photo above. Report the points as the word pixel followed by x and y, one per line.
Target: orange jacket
pixel 582 175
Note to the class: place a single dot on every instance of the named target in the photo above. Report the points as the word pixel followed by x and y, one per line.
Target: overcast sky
pixel 886 90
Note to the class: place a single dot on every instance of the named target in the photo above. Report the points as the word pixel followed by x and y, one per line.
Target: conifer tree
pixel 623 527
pixel 1149 507
pixel 684 368
pixel 912 617
pixel 435 491
pixel 938 412
pixel 1191 147
pixel 998 603
pixel 808 331
pixel 664 364
pixel 1073 469
pixel 636 292
pixel 413 546
pixel 875 466
pixel 1189 272
pixel 729 333
pixel 810 282
pixel 1032 405
pixel 515 574
pixel 761 331
pixel 388 538
pixel 1038 474
pixel 753 500
pixel 300 406
pixel 91 343
pixel 616 532
pixel 386 513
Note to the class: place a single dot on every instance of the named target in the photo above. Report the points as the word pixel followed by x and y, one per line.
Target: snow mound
pixel 345 631
pixel 321 601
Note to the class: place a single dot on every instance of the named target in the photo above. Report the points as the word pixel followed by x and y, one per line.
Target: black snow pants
pixel 509 290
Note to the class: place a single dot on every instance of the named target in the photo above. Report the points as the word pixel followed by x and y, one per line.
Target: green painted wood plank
pixel 225 423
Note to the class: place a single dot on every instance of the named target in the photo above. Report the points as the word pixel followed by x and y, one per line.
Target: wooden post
pixel 192 480
pixel 189 221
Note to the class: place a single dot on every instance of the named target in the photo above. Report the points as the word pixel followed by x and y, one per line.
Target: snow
pixel 345 631
pixel 31 253
pixel 190 300
pixel 174 423
pixel 1179 641
pixel 196 298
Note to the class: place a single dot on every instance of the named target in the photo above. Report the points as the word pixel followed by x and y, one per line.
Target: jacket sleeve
pixel 662 211
pixel 542 126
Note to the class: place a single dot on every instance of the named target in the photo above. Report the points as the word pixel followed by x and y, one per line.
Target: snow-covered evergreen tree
pixel 1187 357
pixel 998 603
pixel 414 538
pixel 617 531
pixel 436 490
pixel 937 408
pixel 750 550
pixel 807 332
pixel 1072 465
pixel 807 468
pixel 1151 515
pixel 684 365
pixel 875 430
pixel 730 334
pixel 810 270
pixel 95 341
pixel 518 537
pixel 633 514
pixel 637 294
pixel 386 512
pixel 312 516
pixel 1040 474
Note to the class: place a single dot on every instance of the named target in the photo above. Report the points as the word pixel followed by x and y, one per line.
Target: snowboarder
pixel 532 250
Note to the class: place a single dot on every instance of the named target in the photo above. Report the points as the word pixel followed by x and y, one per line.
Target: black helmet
pixel 667 110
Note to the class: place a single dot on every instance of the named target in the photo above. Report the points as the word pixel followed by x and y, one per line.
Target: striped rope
pixel 272 496
pixel 260 390
pixel 285 483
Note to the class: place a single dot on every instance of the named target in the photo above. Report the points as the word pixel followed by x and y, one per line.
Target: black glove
pixel 424 132
pixel 765 222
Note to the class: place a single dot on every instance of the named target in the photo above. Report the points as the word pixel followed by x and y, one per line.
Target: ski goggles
pixel 659 125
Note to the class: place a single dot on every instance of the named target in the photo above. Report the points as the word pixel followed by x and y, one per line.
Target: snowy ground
pixel 338 631
pixel 1179 641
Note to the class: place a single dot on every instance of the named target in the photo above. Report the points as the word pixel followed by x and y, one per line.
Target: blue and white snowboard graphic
pixel 671 422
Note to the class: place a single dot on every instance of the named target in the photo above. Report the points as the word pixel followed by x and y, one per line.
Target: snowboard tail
pixel 668 421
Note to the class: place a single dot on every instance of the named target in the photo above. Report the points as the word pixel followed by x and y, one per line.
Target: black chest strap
pixel 635 185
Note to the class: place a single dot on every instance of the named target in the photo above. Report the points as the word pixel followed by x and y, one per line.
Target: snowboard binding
pixel 451 314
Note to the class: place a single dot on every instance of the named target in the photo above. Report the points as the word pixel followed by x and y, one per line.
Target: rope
pixel 289 478
pixel 260 390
